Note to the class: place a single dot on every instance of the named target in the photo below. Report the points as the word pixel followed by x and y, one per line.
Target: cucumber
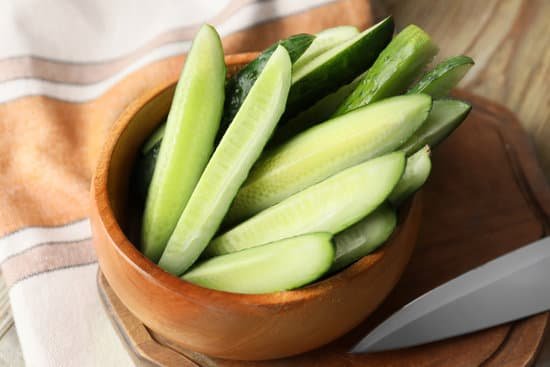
pixel 154 140
pixel 336 67
pixel 239 85
pixel 444 77
pixel 416 173
pixel 394 69
pixel 363 237
pixel 143 171
pixel 326 149
pixel 324 41
pixel 227 169
pixel 283 265
pixel 329 206
pixel 190 131
pixel 444 118
pixel 319 112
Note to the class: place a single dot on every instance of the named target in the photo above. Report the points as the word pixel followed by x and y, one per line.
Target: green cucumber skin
pixel 278 266
pixel 324 41
pixel 154 139
pixel 228 167
pixel 190 132
pixel 394 69
pixel 444 77
pixel 326 149
pixel 417 171
pixel 239 85
pixel 329 206
pixel 319 112
pixel 446 115
pixel 363 237
pixel 143 171
pixel 339 70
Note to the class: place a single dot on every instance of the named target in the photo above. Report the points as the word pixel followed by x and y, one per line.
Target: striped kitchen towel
pixel 67 70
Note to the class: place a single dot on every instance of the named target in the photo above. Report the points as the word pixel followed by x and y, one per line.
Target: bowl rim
pixel 181 288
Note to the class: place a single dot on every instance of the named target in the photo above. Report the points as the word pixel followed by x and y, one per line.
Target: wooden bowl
pixel 221 324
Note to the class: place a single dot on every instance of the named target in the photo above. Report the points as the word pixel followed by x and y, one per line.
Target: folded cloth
pixel 67 70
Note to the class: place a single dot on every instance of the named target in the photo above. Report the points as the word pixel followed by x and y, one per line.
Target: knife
pixel 508 288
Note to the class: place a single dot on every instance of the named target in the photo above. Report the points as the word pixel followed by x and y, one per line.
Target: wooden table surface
pixel 510 42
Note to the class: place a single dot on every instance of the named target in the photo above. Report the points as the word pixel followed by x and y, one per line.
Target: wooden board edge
pixel 145 352
pixel 531 179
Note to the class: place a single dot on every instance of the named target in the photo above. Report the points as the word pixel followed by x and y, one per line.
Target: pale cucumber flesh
pixel 319 112
pixel 444 118
pixel 329 206
pixel 278 266
pixel 417 170
pixel 328 148
pixel 394 69
pixel 188 142
pixel 228 167
pixel 444 77
pixel 363 237
pixel 324 41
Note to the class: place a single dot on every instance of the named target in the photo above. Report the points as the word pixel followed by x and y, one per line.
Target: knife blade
pixel 508 288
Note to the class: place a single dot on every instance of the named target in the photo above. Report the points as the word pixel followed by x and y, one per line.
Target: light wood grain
pixel 510 43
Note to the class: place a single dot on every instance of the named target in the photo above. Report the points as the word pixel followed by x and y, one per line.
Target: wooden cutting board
pixel 486 196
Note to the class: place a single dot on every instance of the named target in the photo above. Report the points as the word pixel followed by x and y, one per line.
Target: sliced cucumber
pixel 336 67
pixel 444 77
pixel 444 118
pixel 319 112
pixel 227 169
pixel 240 84
pixel 154 140
pixel 416 173
pixel 283 265
pixel 363 237
pixel 143 171
pixel 190 131
pixel 329 206
pixel 324 41
pixel 328 148
pixel 396 67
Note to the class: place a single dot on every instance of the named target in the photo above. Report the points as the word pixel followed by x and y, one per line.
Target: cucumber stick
pixel 154 140
pixel 326 149
pixel 329 206
pixel 283 265
pixel 445 116
pixel 444 77
pixel 394 69
pixel 190 131
pixel 336 67
pixel 319 112
pixel 227 169
pixel 143 171
pixel 239 85
pixel 363 237
pixel 324 41
pixel 416 173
